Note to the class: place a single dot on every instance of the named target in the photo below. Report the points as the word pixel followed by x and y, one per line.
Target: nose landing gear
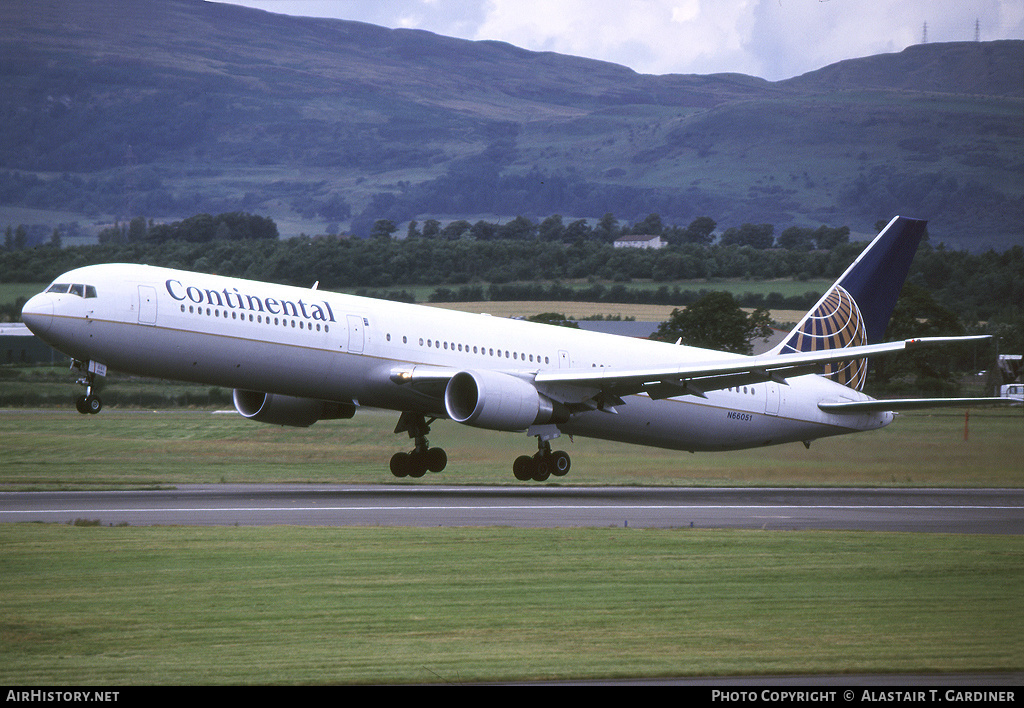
pixel 90 402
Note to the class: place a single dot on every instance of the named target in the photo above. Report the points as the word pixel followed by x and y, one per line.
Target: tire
pixel 543 468
pixel 436 458
pixel 417 464
pixel 523 468
pixel 400 464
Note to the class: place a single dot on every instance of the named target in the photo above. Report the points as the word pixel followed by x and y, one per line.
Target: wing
pixel 697 378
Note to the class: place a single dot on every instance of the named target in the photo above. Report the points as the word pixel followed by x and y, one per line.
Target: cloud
pixel 773 39
pixel 652 36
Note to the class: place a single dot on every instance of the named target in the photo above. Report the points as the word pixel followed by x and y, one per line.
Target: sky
pixel 771 39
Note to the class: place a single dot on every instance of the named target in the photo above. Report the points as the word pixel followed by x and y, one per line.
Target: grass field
pixel 103 605
pixel 62 449
pixel 283 605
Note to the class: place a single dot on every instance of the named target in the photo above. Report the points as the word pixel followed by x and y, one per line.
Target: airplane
pixel 295 356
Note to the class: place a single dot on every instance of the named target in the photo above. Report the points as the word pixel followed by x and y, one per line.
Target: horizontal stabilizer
pixel 910 404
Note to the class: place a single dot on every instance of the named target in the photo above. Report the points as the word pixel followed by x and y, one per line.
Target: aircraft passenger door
pixel 147 305
pixel 356 325
pixel 563 359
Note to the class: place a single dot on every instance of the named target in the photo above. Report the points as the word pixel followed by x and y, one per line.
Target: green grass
pixel 128 448
pixel 101 605
pixel 10 292
pixel 95 604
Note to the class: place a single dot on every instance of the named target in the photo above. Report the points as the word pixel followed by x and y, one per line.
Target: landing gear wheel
pixel 436 459
pixel 523 468
pixel 417 464
pixel 541 467
pixel 423 458
pixel 400 464
pixel 88 404
pixel 560 463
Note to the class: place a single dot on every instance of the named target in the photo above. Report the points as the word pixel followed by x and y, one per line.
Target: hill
pixel 167 108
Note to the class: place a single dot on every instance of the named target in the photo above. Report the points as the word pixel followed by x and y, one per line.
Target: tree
pixel 758 236
pixel 650 226
pixel 137 230
pixel 456 229
pixel 551 229
pixel 520 228
pixel 826 238
pixel 917 314
pixel 797 238
pixel 716 321
pixel 607 228
pixel 431 228
pixel 553 318
pixel 701 230
pixel 483 230
pixel 578 230
pixel 383 228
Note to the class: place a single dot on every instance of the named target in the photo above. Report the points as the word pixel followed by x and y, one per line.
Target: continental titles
pixel 235 300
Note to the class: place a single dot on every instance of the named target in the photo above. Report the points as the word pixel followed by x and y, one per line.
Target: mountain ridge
pixel 170 108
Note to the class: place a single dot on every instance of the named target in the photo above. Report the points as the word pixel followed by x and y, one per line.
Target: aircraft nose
pixel 37 313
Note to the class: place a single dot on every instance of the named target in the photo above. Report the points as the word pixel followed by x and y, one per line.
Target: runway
pixel 991 511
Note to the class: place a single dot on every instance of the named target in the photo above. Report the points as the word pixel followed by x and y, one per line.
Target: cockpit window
pixel 74 289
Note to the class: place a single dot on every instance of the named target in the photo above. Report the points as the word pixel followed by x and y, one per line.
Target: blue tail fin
pixel 856 310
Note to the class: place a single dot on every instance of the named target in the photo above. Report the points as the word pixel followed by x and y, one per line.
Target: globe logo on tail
pixel 836 323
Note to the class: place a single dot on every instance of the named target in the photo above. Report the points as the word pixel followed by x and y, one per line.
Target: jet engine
pixel 286 410
pixel 496 401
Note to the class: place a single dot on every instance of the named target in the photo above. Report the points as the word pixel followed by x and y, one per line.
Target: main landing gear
pixel 89 403
pixel 543 464
pixel 423 457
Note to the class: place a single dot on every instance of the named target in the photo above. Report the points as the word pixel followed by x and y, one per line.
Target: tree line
pixel 527 260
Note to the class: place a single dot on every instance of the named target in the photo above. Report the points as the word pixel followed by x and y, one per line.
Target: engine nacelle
pixel 286 410
pixel 496 401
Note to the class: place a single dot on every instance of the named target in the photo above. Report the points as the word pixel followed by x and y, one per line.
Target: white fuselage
pixel 303 343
